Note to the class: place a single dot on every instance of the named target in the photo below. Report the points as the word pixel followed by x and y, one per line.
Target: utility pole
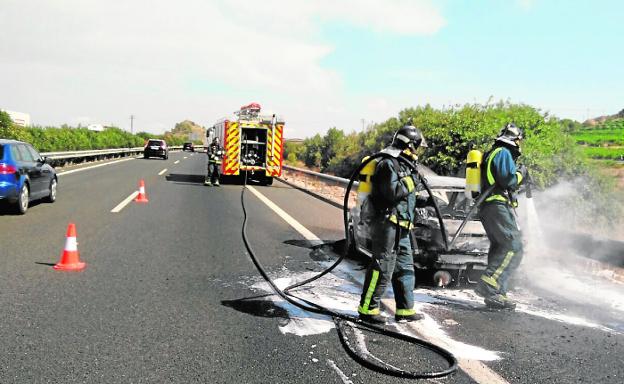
pixel 132 124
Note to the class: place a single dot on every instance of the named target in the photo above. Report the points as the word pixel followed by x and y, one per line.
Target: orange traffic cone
pixel 141 197
pixel 70 259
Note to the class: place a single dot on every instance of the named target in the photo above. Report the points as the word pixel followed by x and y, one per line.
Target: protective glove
pixel 521 173
pixel 410 182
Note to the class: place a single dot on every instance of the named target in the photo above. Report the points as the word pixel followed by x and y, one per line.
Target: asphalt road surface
pixel 169 295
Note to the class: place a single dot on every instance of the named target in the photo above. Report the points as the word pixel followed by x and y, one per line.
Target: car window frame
pixel 15 153
pixel 23 147
pixel 36 155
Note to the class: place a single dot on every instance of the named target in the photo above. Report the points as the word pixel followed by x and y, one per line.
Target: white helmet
pixel 511 135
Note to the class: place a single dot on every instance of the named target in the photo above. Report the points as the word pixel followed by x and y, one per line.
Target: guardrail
pixel 325 187
pixel 71 157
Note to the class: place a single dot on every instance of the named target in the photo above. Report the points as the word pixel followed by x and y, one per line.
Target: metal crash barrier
pixel 76 157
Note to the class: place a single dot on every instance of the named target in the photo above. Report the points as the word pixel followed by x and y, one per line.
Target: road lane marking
pixel 477 370
pixel 345 379
pixel 93 166
pixel 121 205
pixel 176 162
pixel 161 172
pixel 287 218
pixel 480 372
pixel 186 157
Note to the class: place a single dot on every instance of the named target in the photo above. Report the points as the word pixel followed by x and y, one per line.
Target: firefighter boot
pixel 373 319
pixel 499 301
pixel 408 318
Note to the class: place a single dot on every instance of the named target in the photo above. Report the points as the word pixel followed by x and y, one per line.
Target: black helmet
pixel 408 137
pixel 510 134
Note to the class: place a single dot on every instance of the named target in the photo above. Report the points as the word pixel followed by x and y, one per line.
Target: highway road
pixel 169 295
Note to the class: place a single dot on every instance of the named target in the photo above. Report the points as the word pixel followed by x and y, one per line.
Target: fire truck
pixel 252 142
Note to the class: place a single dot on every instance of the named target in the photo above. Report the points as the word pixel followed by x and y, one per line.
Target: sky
pixel 317 63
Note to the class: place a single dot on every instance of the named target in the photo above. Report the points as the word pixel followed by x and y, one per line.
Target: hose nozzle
pixel 529 186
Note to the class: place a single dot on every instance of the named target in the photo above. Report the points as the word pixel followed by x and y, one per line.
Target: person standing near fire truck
pixel 215 158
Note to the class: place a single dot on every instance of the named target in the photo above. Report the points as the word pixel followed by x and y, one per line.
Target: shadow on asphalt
pixel 7 209
pixel 257 306
pixel 46 264
pixel 185 178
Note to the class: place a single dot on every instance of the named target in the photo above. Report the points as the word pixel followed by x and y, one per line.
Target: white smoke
pixel 567 260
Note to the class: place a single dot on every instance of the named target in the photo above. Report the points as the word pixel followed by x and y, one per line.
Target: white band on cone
pixel 71 244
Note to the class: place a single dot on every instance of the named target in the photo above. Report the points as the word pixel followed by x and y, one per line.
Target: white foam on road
pixel 336 294
pixel 526 303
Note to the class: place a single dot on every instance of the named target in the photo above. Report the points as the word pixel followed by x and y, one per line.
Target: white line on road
pixel 161 172
pixel 121 205
pixel 345 379
pixel 287 218
pixel 186 157
pixel 480 372
pixel 93 166
pixel 176 162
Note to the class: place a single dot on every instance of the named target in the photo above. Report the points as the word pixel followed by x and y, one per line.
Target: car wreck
pixel 466 258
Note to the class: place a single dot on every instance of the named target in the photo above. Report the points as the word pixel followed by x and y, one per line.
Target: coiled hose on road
pixel 342 320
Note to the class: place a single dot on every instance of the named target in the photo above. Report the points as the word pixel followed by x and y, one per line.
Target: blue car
pixel 25 175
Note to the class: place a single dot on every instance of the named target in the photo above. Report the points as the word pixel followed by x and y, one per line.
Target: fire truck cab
pixel 252 142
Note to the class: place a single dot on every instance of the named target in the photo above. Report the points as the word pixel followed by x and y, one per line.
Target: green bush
pixel 549 151
pixel 64 138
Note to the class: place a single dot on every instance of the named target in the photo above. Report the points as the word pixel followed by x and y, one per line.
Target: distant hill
pixel 601 119
pixel 189 130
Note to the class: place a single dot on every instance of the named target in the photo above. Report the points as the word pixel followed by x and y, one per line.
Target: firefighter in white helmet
pixel 497 216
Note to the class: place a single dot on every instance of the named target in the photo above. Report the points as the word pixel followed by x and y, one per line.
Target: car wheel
pixel 52 196
pixel 22 199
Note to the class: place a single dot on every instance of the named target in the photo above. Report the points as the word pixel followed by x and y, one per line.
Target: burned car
pixel 466 259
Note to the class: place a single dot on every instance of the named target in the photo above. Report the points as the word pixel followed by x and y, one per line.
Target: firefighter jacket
pixel 500 170
pixel 215 153
pixel 394 192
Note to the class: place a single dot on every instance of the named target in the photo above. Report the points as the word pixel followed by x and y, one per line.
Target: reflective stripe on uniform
pixel 497 198
pixel 489 281
pixel 409 183
pixel 402 223
pixel 504 265
pixel 405 312
pixel 363 309
pixel 490 177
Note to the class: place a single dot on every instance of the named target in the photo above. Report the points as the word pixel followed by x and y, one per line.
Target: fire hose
pixel 342 320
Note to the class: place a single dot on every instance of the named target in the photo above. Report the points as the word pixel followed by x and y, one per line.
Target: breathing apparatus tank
pixel 365 186
pixel 473 174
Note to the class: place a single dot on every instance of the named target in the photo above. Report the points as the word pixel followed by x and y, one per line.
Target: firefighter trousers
pixel 389 265
pixel 505 251
pixel 213 172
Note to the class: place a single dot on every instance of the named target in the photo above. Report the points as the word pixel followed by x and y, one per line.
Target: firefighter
pixel 393 197
pixel 215 157
pixel 498 218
